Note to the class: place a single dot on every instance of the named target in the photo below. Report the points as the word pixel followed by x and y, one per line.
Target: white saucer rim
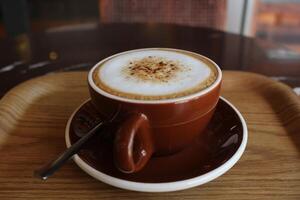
pixel 165 186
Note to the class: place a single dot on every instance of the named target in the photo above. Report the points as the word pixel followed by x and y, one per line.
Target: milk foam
pixel 192 74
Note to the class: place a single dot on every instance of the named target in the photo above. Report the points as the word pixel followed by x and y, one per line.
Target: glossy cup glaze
pixel 155 127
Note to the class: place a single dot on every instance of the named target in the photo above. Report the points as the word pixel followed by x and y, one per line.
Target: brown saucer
pixel 220 142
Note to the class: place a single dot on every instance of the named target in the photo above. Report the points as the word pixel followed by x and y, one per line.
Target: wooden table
pixel 78 48
pixel 33 117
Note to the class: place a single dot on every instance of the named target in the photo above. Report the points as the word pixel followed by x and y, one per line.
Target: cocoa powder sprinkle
pixel 154 69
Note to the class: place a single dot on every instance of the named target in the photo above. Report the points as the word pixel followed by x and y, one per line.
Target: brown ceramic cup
pixel 155 127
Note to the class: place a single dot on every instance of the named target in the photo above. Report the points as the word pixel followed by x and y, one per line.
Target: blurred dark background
pixel 273 20
pixel 45 36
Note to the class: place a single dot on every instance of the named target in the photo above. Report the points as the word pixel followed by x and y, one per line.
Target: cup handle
pixel 133 144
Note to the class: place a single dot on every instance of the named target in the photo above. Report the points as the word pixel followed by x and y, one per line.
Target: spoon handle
pixel 51 167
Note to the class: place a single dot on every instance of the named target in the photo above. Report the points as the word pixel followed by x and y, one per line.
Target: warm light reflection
pixel 23 47
pixel 53 55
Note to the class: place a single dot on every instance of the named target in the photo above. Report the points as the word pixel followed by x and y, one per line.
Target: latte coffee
pixel 155 74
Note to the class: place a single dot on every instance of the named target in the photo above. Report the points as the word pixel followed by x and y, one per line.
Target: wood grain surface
pixel 33 116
